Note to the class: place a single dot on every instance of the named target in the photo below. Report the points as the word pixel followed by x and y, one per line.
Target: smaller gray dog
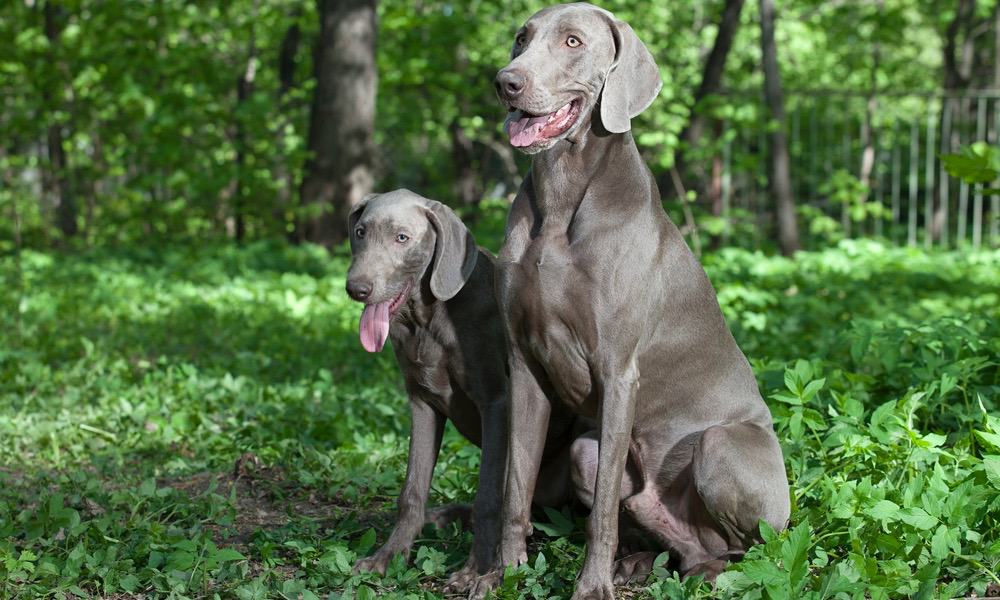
pixel 426 286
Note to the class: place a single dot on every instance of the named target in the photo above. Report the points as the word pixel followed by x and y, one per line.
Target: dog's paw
pixel 709 569
pixel 634 568
pixel 482 585
pixel 375 563
pixel 594 589
pixel 462 580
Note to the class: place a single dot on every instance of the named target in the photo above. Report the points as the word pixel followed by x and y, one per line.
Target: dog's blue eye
pixel 573 41
pixel 359 232
pixel 521 39
pixel 402 238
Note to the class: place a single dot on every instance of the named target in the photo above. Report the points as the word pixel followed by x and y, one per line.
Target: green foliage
pixel 159 144
pixel 131 382
pixel 978 163
pixel 845 189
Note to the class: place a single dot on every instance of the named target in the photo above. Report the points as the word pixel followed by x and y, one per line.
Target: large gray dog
pixel 610 316
pixel 428 287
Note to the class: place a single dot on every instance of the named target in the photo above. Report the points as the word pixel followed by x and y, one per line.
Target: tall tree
pixel 996 47
pixel 55 17
pixel 692 174
pixel 287 62
pixel 244 90
pixel 780 176
pixel 966 66
pixel 341 126
pixel 711 77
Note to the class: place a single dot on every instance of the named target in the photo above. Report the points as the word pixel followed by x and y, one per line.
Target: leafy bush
pixel 199 421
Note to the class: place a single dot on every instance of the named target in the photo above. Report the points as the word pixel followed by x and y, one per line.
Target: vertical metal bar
pixel 763 200
pixel 995 198
pixel 812 184
pixel 845 209
pixel 963 187
pixel 947 108
pixel 878 178
pixel 826 143
pixel 977 199
pixel 796 149
pixel 911 228
pixel 872 176
pixel 896 160
pixel 929 174
pixel 727 153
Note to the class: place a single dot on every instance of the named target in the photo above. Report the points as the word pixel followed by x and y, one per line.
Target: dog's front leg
pixel 616 386
pixel 528 413
pixel 425 442
pixel 489 497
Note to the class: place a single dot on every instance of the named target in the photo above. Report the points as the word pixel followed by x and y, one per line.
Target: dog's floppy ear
pixel 633 81
pixel 356 212
pixel 455 251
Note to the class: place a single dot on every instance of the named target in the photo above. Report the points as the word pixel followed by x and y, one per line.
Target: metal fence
pixel 871 163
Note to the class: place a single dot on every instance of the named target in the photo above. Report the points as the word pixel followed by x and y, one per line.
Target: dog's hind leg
pixel 739 473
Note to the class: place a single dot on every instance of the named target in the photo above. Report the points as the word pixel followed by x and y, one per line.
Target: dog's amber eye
pixel 360 232
pixel 573 41
pixel 402 238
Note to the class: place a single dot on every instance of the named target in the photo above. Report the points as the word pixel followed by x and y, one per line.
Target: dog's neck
pixel 420 307
pixel 562 174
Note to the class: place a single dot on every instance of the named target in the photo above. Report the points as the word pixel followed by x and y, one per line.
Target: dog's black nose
pixel 510 83
pixel 359 290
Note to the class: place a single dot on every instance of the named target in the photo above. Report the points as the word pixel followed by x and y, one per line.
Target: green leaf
pixel 768 574
pixel 917 517
pixel 991 464
pixel 227 555
pixel 148 487
pixel 971 167
pixel 811 388
pixel 884 510
pixel 944 541
pixel 992 440
pixel 366 543
pixel 561 525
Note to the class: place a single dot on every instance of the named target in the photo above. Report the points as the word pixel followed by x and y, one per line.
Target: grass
pixel 202 422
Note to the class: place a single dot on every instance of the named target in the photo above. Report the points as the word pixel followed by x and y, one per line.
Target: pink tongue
pixel 375 326
pixel 526 130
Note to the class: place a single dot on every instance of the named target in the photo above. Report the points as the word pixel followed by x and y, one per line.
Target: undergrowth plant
pixel 202 422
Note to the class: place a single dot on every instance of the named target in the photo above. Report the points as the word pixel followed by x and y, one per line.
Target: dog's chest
pixel 424 361
pixel 549 310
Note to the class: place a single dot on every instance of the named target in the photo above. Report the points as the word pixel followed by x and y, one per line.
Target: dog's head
pixel 400 240
pixel 567 61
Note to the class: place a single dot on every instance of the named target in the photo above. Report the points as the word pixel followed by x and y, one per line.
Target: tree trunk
pixel 868 137
pixel 61 185
pixel 781 184
pixel 711 83
pixel 287 61
pixel 467 185
pixel 244 89
pixel 715 66
pixel 959 56
pixel 341 127
pixel 958 65
pixel 996 47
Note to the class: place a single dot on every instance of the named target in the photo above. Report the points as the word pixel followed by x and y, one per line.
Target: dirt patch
pixel 265 498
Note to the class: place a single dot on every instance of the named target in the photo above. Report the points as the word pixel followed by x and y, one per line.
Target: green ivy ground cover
pixel 202 422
